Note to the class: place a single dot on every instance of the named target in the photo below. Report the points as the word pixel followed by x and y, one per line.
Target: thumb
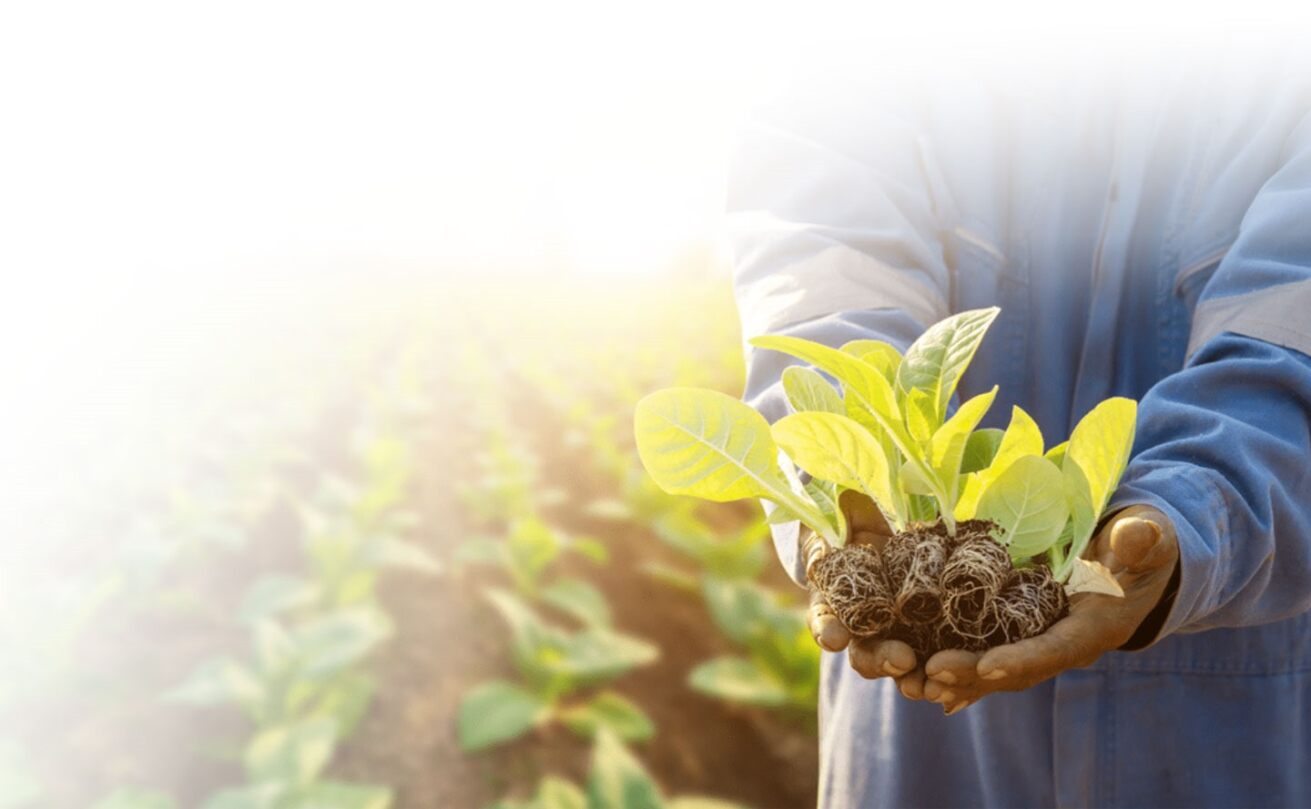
pixel 1142 540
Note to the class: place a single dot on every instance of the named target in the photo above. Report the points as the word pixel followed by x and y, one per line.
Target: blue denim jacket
pixel 1147 237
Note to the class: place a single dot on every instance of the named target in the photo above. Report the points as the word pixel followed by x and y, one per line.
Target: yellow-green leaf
pixel 921 415
pixel 883 356
pixel 706 444
pixel 835 448
pixel 1101 443
pixel 808 391
pixel 948 444
pixel 1028 502
pixel 936 360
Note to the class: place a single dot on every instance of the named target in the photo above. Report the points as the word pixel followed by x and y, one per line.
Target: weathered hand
pixel 1139 547
pixel 870 657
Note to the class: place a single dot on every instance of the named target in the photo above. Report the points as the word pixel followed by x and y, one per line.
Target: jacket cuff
pixel 1195 508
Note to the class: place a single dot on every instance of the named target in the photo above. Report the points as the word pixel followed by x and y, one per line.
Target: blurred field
pixel 400 552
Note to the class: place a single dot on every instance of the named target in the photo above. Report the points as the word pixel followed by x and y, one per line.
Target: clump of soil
pixel 935 591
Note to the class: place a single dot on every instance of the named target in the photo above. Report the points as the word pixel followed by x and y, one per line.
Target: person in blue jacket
pixel 1146 231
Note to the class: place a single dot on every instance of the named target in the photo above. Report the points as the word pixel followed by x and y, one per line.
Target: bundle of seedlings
pixel 989 525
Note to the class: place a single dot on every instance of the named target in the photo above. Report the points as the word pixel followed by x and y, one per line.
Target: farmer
pixel 1146 235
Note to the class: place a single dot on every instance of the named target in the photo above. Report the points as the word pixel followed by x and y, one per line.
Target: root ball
pixel 853 583
pixel 976 571
pixel 914 561
pixel 1031 602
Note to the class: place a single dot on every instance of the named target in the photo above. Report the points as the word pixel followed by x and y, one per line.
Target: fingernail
pixel 995 674
pixel 895 671
pixel 946 698
pixel 957 708
pixel 944 677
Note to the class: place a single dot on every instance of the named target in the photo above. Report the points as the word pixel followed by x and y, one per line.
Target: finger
pixel 944 695
pixel 1073 642
pixel 953 667
pixel 824 625
pixel 1140 544
pixel 813 548
pixel 911 685
pixel 880 658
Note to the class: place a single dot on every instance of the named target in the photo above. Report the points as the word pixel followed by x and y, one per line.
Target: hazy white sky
pixel 169 136
pixel 156 157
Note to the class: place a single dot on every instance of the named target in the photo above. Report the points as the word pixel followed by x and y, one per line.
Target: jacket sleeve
pixel 834 228
pixel 1224 445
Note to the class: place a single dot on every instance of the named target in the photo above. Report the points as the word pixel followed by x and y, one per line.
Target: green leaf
pixel 219 681
pixel 710 445
pixel 1083 515
pixel 1057 453
pixel 738 679
pixel 1022 437
pixel 554 792
pixel 935 362
pixel 825 495
pixel 913 480
pixel 948 446
pixel 341 795
pixel 400 554
pixel 860 379
pixel 837 449
pixel 533 545
pixel 670 575
pixel 275 594
pixel 580 600
pixel 617 780
pixel 292 754
pixel 1101 443
pixel 275 649
pixel 706 444
pixel 123 798
pixel 340 639
pixel 534 645
pixel 345 700
pixel 807 391
pixel 600 654
pixel 738 608
pixel 612 711
pixel 1028 503
pixel 256 796
pixel 921 415
pixel 980 449
pixel 591 549
pixel 884 357
pixel 496 712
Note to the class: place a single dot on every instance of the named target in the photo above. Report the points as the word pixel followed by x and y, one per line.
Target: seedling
pixel 989 526
pixel 554 665
pixel 616 780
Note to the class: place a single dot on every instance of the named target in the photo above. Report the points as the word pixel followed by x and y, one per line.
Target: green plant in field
pixel 780 668
pixel 616 780
pixel 303 688
pixel 526 553
pixel 554 665
pixel 888 435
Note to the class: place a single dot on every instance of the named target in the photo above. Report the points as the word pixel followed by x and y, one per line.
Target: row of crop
pixel 562 668
pixel 303 682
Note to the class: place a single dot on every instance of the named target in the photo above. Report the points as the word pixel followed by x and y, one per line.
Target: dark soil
pixel 934 591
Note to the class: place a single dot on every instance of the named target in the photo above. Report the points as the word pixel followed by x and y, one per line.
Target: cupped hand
pixel 1139 547
pixel 869 657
